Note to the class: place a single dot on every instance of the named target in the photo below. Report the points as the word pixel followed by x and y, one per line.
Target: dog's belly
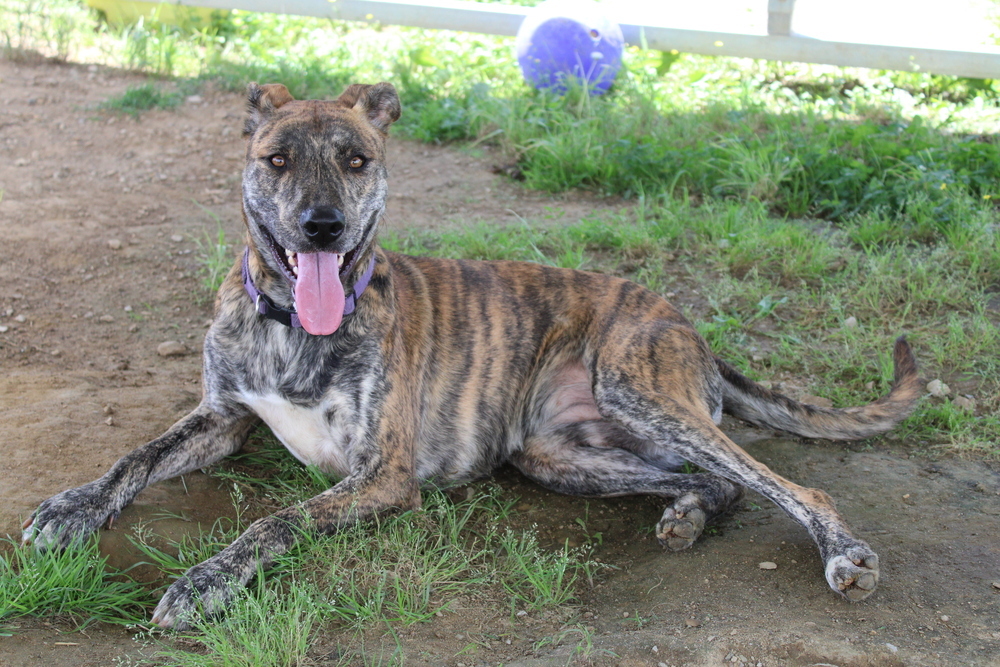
pixel 308 433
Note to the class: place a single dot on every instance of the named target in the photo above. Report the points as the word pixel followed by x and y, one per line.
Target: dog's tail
pixel 745 399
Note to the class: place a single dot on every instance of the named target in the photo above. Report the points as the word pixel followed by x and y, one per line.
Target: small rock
pixel 661 664
pixel 21 162
pixel 176 238
pixel 768 565
pixel 105 318
pixel 870 385
pixel 624 614
pixel 938 388
pixel 996 585
pixel 194 99
pixel 724 243
pixel 891 647
pixel 692 623
pixel 110 421
pixel 656 649
pixel 521 613
pixel 109 409
pixel 115 244
pixel 945 618
pixel 133 328
pixel 4 329
pixel 965 403
pixel 171 348
pixel 818 401
pixel 758 357
pixel 56 353
pixel 21 318
pixel 128 309
pixel 851 323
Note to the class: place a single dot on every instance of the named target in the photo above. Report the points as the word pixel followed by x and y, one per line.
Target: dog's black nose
pixel 322 224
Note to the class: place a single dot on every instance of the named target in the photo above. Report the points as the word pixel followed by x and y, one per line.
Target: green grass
pixel 73 584
pixel 912 150
pixel 137 99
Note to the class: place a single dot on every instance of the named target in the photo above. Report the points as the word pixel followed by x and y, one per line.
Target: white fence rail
pixel 780 44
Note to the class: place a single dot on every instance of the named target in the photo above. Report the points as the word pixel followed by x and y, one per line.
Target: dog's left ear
pixel 379 103
pixel 261 103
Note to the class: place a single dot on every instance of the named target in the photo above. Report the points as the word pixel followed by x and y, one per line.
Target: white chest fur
pixel 319 435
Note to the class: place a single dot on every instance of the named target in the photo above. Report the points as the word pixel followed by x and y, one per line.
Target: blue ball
pixel 564 39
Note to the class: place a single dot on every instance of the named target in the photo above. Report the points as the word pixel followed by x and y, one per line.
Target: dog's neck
pixel 269 308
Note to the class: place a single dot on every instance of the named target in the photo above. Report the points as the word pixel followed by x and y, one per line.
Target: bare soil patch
pixel 99 219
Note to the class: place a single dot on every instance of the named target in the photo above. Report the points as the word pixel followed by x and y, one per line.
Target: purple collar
pixel 290 318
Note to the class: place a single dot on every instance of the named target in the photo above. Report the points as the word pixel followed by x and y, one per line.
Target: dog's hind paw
pixel 853 574
pixel 681 524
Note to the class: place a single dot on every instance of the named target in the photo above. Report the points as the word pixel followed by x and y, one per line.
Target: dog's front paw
pixel 853 573
pixel 204 590
pixel 68 517
pixel 681 524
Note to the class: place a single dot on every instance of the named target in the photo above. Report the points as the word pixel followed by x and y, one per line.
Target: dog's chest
pixel 319 435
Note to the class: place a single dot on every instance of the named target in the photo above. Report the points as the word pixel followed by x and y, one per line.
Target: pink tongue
pixel 319 296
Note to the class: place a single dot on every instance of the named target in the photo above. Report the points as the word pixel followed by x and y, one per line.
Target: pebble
pixel 965 403
pixel 21 162
pixel 105 318
pixel 851 323
pixel 818 401
pixel 110 421
pixel 996 585
pixel 176 238
pixel 945 618
pixel 4 329
pixel 892 648
pixel 521 613
pixel 128 309
pixel 21 318
pixel 938 388
pixel 768 565
pixel 172 348
pixel 56 353
pixel 115 244
pixel 194 99
pixel 692 623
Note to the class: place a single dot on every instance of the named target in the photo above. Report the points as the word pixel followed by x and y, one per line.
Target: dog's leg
pixel 208 587
pixel 643 408
pixel 382 479
pixel 577 459
pixel 202 437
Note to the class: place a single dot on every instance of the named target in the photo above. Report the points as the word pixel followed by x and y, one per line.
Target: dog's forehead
pixel 318 125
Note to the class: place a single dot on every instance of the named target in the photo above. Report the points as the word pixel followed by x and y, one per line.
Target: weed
pixel 137 99
pixel 72 582
pixel 215 255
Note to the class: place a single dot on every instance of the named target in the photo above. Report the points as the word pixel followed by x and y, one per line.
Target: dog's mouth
pixel 317 284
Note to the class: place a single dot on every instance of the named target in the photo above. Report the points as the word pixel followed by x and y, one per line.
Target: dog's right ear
pixel 261 103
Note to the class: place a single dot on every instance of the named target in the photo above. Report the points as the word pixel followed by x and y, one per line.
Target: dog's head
pixel 314 188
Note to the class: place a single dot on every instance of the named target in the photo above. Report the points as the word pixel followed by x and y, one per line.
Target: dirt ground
pixel 100 217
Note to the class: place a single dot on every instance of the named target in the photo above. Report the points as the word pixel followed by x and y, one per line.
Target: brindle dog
pixel 393 371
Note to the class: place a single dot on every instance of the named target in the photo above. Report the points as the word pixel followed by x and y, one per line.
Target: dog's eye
pixel 356 162
pixel 278 161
